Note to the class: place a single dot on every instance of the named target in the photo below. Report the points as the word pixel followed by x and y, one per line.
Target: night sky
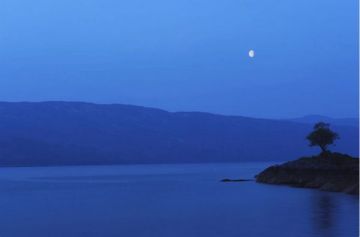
pixel 183 55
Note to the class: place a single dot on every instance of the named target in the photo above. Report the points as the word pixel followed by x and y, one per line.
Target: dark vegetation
pixel 327 171
pixel 336 173
pixel 322 136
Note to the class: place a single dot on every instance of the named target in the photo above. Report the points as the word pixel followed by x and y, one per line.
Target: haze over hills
pixel 69 133
pixel 335 121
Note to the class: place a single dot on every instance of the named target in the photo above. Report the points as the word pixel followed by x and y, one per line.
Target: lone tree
pixel 322 136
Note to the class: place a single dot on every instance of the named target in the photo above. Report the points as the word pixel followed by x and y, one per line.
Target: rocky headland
pixel 333 172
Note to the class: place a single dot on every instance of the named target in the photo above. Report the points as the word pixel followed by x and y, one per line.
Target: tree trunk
pixel 323 149
pixel 324 152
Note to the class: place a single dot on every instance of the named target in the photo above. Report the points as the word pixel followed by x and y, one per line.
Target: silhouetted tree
pixel 322 136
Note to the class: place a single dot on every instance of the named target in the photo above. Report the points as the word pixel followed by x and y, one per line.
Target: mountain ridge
pixel 335 121
pixel 77 133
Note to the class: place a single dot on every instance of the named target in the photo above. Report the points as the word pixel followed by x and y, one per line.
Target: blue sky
pixel 184 55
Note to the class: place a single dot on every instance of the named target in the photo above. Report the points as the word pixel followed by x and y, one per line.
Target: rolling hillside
pixel 69 133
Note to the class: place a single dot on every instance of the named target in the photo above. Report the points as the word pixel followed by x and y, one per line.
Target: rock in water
pixel 335 173
pixel 235 180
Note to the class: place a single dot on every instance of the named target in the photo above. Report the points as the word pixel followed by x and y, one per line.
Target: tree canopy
pixel 322 136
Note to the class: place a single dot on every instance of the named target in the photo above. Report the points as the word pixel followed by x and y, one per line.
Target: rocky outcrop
pixel 335 172
pixel 235 180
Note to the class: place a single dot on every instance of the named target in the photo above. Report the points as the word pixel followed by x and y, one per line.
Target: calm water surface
pixel 165 201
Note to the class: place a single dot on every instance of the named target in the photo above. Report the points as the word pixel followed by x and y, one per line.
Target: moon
pixel 251 53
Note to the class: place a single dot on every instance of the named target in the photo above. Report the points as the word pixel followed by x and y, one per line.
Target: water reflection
pixel 166 200
pixel 324 210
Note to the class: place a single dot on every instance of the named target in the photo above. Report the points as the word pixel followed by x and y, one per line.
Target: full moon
pixel 251 53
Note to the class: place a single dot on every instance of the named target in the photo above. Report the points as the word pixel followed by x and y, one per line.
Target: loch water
pixel 166 200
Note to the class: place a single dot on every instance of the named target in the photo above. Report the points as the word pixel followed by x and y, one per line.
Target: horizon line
pixel 180 111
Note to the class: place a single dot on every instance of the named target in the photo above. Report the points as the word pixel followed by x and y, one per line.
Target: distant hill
pixel 334 121
pixel 69 133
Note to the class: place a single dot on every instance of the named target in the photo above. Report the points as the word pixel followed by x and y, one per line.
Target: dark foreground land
pixel 335 172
